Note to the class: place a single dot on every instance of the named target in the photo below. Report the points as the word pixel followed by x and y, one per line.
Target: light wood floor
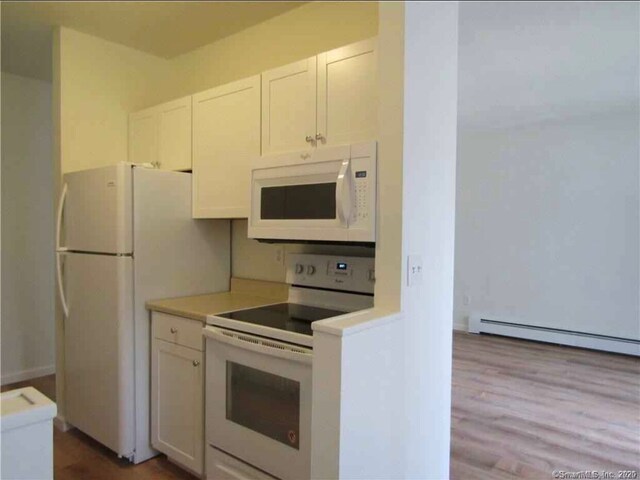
pixel 524 409
pixel 520 410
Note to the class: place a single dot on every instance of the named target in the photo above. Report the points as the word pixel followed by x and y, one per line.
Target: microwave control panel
pixel 363 171
pixel 345 273
pixel 361 212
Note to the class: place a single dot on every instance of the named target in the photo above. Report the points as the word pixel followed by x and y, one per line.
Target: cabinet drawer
pixel 221 466
pixel 183 331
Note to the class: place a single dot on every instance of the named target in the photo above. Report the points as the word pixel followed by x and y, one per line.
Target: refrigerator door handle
pixel 60 251
pixel 63 300
pixel 63 198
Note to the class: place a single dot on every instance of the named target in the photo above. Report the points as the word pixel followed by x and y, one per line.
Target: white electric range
pixel 259 367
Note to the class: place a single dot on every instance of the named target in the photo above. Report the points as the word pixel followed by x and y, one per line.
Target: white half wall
pixel 547 228
pixel 382 394
pixel 428 227
pixel 28 287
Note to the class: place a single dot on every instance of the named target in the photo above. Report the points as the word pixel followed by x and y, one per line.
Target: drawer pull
pixel 174 330
pixel 196 363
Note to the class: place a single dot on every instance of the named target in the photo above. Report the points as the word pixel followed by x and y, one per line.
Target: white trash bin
pixel 26 428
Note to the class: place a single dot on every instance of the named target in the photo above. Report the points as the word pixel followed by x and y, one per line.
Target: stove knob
pixel 299 268
pixel 311 269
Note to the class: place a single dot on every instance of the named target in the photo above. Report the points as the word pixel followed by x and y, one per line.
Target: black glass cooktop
pixel 291 317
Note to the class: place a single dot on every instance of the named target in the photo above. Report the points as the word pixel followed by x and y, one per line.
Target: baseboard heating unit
pixel 481 324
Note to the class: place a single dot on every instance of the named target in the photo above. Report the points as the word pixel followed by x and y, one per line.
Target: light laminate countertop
pixel 244 294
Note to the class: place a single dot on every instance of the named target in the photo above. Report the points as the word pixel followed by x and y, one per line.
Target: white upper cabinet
pixel 330 99
pixel 174 137
pixel 347 110
pixel 161 135
pixel 289 107
pixel 226 137
pixel 143 137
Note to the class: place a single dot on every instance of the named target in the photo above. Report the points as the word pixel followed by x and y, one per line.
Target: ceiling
pixel 519 62
pixel 164 29
pixel 522 62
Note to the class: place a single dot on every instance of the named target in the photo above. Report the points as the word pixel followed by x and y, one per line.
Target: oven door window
pixel 265 403
pixel 314 201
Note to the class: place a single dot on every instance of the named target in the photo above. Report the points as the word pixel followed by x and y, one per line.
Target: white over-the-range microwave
pixel 324 195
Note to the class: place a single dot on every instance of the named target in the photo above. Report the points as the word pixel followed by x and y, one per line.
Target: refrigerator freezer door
pixel 98 343
pixel 98 210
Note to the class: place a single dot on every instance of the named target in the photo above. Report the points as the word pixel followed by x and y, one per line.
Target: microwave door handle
pixel 344 194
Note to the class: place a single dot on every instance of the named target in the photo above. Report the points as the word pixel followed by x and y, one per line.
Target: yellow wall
pixel 302 32
pixel 99 84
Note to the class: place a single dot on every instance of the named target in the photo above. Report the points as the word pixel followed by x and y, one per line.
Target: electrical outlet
pixel 414 270
pixel 280 254
pixel 466 299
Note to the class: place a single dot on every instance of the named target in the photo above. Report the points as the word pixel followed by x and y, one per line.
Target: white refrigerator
pixel 125 236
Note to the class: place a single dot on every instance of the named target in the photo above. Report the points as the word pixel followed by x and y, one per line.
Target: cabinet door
pixel 177 403
pixel 347 94
pixel 289 107
pixel 174 134
pixel 226 138
pixel 143 136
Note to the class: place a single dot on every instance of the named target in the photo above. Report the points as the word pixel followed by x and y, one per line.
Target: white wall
pixel 27 230
pixel 382 392
pixel 428 227
pixel 547 228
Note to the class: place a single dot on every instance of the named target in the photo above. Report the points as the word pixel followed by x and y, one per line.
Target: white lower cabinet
pixel 221 466
pixel 177 396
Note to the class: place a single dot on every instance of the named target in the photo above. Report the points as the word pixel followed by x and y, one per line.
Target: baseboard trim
pixel 27 374
pixel 461 327
pixel 484 324
pixel 61 424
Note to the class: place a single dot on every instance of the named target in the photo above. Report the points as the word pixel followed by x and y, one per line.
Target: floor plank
pixel 523 409
pixel 520 410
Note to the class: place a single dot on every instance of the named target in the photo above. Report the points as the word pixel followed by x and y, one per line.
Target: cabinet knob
pixel 174 330
pixel 309 138
pixel 196 363
pixel 319 136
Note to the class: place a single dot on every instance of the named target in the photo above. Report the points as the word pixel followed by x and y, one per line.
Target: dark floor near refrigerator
pixel 520 410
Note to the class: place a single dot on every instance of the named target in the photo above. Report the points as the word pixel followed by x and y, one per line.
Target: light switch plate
pixel 414 270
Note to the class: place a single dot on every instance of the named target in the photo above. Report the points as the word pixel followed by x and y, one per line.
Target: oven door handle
pixel 264 346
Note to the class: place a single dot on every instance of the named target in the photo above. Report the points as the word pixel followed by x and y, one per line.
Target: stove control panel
pixel 349 274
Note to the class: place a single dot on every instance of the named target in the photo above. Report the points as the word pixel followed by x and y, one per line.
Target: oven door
pixel 258 401
pixel 303 196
